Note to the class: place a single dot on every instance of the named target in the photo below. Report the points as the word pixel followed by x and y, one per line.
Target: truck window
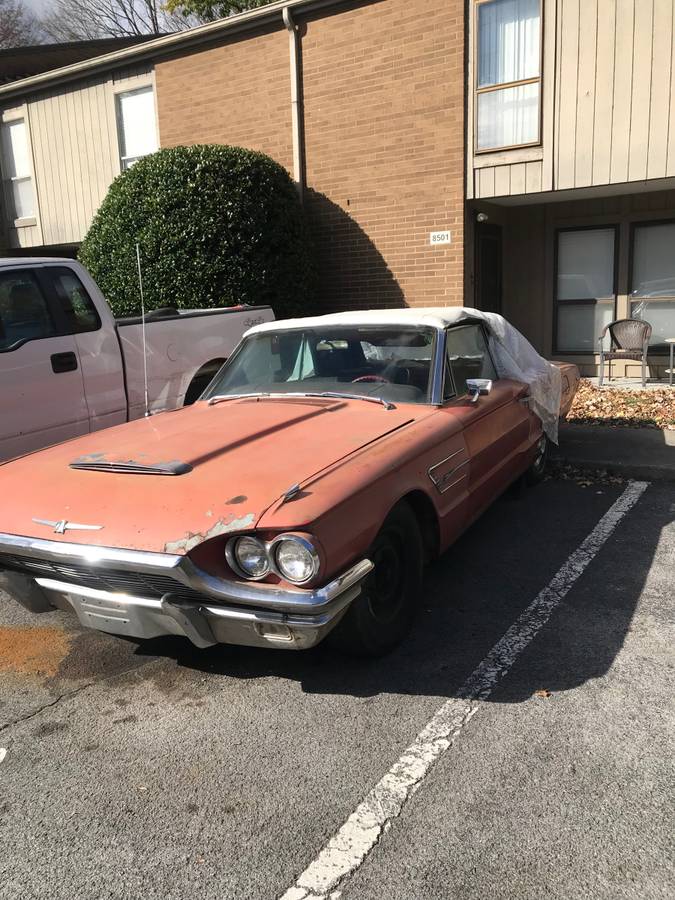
pixel 24 312
pixel 78 309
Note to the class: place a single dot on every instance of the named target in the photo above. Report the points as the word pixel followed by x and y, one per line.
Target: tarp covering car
pixel 513 355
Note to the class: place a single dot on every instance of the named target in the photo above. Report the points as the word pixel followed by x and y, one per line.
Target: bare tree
pixel 18 27
pixel 72 20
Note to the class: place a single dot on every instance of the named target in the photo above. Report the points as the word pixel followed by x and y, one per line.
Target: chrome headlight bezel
pixel 233 560
pixel 302 542
pixel 270 549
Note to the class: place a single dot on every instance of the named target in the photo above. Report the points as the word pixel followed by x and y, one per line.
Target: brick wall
pixel 235 93
pixel 384 138
pixel 383 92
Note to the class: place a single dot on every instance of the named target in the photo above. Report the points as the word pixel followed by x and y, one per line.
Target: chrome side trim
pixel 452 484
pixel 441 484
pixel 437 465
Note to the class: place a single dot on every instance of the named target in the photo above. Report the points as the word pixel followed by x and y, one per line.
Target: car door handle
pixel 63 362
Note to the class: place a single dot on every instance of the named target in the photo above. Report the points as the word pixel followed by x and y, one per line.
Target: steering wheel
pixel 366 378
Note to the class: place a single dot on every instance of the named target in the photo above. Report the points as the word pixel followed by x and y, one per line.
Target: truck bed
pixel 181 346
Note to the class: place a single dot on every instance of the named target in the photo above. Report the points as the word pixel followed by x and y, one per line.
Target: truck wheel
pixel 202 380
pixel 383 613
pixel 537 470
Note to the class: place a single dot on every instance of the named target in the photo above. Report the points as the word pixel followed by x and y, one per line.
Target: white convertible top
pixel 513 354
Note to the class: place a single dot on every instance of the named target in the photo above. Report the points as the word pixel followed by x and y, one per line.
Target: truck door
pixel 42 397
pixel 97 344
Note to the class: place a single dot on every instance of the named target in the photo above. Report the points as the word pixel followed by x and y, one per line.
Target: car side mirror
pixel 477 387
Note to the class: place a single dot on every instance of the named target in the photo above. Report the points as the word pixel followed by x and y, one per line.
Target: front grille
pixel 100 577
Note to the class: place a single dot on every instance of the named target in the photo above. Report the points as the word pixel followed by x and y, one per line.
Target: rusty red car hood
pixel 237 458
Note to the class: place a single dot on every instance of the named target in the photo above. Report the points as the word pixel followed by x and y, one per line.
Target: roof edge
pixel 159 46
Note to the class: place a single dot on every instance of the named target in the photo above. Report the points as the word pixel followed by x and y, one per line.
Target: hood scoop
pixel 98 463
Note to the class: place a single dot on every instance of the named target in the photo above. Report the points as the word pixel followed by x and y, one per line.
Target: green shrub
pixel 217 226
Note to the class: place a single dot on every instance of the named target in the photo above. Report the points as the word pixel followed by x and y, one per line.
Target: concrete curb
pixel 640 453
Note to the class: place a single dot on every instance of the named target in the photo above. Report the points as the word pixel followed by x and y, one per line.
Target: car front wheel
pixel 537 470
pixel 383 613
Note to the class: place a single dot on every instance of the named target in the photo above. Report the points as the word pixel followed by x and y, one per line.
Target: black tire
pixel 537 470
pixel 383 613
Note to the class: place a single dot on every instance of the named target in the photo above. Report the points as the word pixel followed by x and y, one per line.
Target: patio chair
pixel 629 339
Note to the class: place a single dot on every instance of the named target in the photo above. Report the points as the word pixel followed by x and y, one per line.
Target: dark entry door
pixel 488 267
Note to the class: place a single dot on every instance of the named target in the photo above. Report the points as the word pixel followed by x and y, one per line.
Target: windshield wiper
pixel 335 395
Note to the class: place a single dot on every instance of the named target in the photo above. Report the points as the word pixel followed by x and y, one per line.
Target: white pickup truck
pixel 67 367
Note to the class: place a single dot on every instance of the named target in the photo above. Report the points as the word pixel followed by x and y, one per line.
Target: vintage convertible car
pixel 328 460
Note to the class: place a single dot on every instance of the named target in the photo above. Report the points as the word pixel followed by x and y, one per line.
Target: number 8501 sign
pixel 437 238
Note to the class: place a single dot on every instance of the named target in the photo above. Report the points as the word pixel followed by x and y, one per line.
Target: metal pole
pixel 145 355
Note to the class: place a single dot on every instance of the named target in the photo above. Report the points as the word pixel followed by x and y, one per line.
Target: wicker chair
pixel 629 339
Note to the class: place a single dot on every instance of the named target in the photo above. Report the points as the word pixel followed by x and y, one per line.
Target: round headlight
pixel 296 559
pixel 251 557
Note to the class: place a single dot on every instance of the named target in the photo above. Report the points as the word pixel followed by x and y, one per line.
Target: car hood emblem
pixel 62 526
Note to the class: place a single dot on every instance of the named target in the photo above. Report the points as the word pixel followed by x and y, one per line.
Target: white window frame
pixel 131 86
pixel 10 117
pixel 477 90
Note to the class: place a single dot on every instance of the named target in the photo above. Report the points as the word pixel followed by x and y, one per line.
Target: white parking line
pixel 349 847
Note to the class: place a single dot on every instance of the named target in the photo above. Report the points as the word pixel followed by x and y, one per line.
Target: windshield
pixel 391 363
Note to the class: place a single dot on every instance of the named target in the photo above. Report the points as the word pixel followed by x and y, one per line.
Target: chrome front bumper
pixel 214 610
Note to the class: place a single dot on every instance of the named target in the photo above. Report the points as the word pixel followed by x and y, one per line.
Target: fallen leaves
pixel 623 407
pixel 563 471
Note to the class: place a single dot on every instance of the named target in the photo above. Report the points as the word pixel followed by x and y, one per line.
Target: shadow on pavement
pixel 474 593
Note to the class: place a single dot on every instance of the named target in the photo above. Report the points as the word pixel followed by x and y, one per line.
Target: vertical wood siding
pixel 73 136
pixel 611 104
pixel 614 103
pixel 75 157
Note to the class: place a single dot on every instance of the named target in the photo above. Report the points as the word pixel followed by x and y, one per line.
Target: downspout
pixel 296 101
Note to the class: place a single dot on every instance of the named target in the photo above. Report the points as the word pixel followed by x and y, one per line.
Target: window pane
pixel 15 150
pixel 508 117
pixel 77 306
pixel 580 325
pixel 660 315
pixel 586 264
pixel 508 41
pixel 24 314
pixel 136 116
pixel 22 193
pixel 468 356
pixel 654 261
pixel 16 170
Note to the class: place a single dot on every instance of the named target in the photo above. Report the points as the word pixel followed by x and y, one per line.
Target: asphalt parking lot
pixel 161 771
